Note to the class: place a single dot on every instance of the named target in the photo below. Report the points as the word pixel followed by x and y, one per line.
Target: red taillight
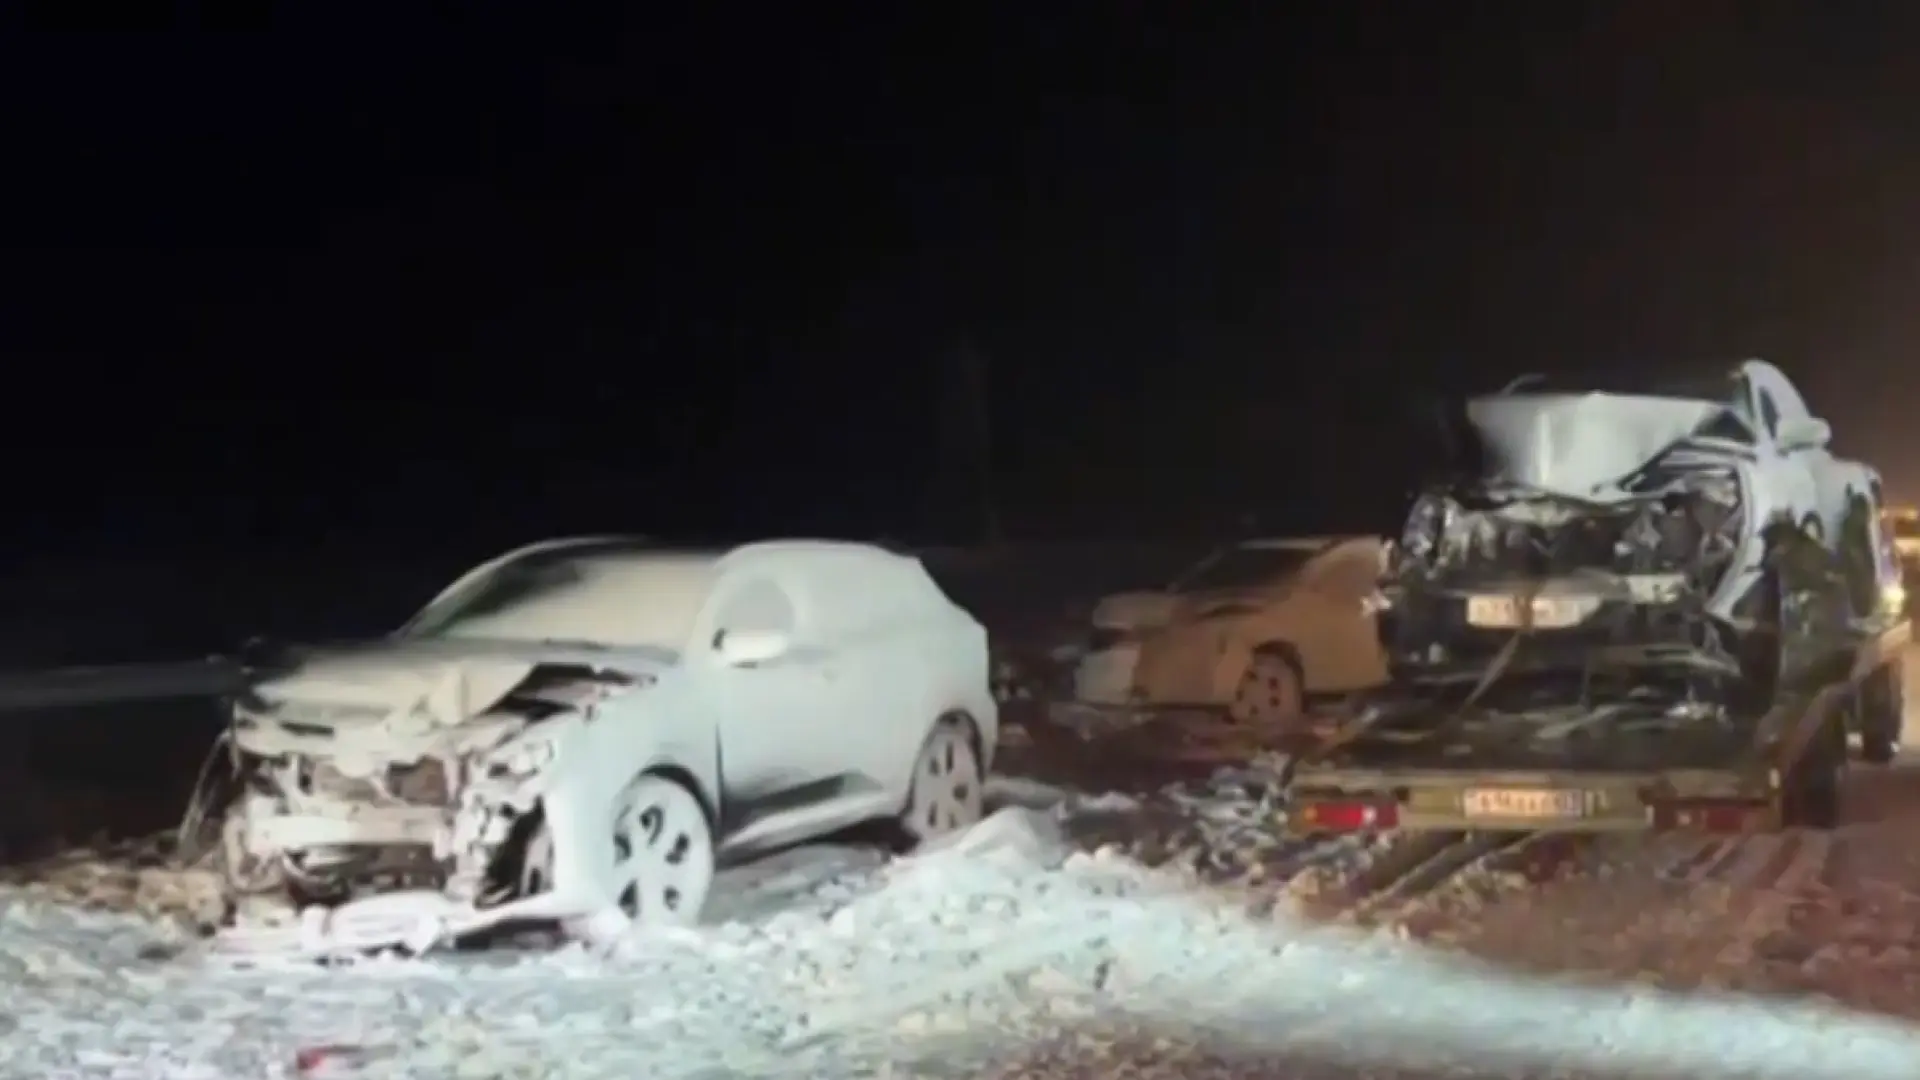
pixel 1346 816
pixel 1711 815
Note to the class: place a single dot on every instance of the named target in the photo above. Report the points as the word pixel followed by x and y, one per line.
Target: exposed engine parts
pixel 1683 552
pixel 323 806
pixel 1691 527
pixel 1478 564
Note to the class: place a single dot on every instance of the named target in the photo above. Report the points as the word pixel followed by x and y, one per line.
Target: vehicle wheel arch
pixel 510 858
pixel 951 714
pixel 1283 649
pixel 680 774
pixel 962 717
pixel 1286 655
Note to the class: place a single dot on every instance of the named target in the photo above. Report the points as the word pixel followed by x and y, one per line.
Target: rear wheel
pixel 1812 799
pixel 948 789
pixel 1882 713
pixel 1270 694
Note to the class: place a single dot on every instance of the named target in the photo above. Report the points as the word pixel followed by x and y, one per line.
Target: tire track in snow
pixel 1418 868
pixel 1766 908
pixel 1788 862
pixel 1722 897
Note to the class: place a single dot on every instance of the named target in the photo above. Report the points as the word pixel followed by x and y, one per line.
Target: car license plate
pixel 1522 803
pixel 1510 612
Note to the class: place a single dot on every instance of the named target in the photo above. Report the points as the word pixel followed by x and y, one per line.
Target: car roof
pixel 634 548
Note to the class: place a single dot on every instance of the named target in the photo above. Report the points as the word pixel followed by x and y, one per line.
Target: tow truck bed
pixel 1465 770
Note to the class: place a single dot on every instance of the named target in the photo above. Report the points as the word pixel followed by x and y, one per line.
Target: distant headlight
pixel 1893 597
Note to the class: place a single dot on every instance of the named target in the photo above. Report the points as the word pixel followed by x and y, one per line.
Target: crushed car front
pixel 424 760
pixel 402 766
pixel 1601 528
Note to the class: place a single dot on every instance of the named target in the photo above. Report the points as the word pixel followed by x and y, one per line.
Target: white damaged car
pixel 580 731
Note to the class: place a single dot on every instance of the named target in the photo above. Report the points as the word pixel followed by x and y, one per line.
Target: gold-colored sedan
pixel 1260 628
pixel 1904 523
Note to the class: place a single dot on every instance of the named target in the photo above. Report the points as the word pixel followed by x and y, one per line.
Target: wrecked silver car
pixel 1612 539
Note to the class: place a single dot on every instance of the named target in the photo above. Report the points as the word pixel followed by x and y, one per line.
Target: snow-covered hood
pixel 1579 445
pixel 419 686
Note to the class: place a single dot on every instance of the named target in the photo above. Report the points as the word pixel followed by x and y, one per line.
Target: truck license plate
pixel 1521 803
pixel 1509 612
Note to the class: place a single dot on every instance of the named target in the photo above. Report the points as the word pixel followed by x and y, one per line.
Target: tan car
pixel 1904 523
pixel 1259 628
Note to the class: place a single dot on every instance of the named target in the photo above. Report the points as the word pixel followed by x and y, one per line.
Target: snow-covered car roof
pixel 613 590
pixel 1715 383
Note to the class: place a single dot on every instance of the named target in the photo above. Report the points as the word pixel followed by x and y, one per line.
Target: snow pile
pixel 991 950
pixel 136 876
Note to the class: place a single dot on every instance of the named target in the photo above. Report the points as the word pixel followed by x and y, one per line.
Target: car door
pixel 869 645
pixel 769 711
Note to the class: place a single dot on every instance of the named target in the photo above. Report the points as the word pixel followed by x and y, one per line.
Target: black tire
pixel 1813 796
pixel 1882 714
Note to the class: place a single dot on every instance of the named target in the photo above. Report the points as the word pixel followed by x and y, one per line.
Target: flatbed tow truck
pixel 1413 767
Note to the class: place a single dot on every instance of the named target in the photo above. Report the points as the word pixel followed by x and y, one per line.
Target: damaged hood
pixel 420 686
pixel 1580 445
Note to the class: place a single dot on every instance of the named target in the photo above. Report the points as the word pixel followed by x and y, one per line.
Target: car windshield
pixel 1244 566
pixel 595 592
pixel 1716 386
pixel 1906 528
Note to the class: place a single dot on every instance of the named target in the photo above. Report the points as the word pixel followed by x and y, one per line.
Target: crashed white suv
pixel 580 730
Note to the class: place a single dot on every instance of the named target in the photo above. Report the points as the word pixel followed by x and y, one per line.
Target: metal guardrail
pixel 112 684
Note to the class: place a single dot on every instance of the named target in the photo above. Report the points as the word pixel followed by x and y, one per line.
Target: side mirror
pixel 1805 433
pixel 739 648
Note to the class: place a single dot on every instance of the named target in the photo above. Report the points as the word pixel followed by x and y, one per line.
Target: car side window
pixel 842 599
pixel 1769 413
pixel 756 604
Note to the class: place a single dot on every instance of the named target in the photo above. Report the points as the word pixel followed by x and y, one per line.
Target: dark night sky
pixel 484 277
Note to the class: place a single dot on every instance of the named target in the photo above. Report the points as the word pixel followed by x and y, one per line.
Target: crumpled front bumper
pixel 269 834
pixel 415 920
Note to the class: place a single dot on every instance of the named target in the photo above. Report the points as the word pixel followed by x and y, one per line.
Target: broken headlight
pixel 1427 526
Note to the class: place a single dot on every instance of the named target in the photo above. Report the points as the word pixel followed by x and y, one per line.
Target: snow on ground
pixel 1002 953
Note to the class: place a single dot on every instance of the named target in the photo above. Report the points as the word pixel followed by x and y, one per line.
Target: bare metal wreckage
pixel 1630 609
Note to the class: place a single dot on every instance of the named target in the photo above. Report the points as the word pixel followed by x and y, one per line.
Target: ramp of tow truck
pixel 1570 769
pixel 1487 776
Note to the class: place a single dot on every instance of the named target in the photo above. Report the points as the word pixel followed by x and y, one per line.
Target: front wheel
pixel 1813 796
pixel 1270 695
pixel 947 793
pixel 663 860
